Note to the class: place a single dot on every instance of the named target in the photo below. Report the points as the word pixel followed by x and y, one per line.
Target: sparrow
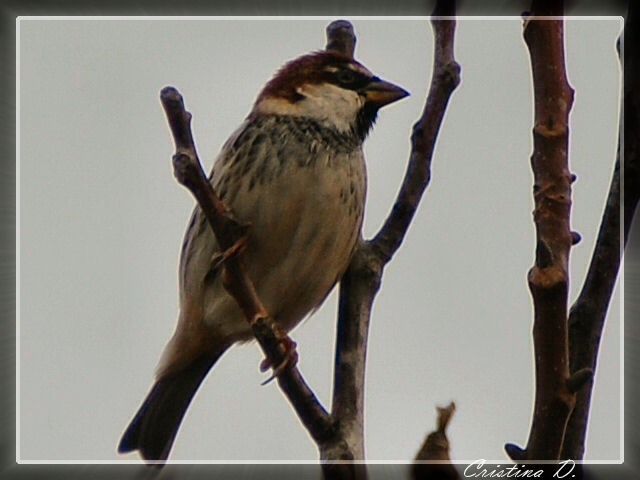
pixel 295 172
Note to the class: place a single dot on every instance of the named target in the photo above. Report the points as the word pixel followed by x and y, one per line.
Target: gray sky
pixel 102 219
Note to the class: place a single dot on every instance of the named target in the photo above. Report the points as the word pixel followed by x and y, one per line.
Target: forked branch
pixel 363 277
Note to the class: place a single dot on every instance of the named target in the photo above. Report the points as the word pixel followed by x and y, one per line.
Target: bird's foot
pixel 219 258
pixel 289 358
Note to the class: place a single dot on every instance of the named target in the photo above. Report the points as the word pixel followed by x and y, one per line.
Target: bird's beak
pixel 379 93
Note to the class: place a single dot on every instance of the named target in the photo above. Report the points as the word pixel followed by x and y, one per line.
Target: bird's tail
pixel 154 427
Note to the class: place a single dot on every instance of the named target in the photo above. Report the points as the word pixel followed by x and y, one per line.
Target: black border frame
pixel 10 10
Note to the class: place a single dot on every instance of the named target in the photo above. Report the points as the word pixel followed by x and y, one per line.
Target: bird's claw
pixel 219 258
pixel 289 359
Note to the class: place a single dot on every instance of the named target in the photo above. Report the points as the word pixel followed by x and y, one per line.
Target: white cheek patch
pixel 334 106
pixel 330 105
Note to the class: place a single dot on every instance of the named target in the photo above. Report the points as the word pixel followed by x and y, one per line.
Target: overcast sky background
pixel 102 220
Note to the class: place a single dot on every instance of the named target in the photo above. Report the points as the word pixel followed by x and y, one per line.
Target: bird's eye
pixel 346 76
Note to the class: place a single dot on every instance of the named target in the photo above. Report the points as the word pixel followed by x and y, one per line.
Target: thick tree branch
pixel 362 279
pixel 588 313
pixel 358 287
pixel 548 278
pixel 231 236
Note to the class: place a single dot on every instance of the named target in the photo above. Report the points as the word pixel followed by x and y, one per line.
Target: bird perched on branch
pixel 294 171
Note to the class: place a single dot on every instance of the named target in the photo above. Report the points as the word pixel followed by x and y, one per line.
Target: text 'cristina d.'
pixel 477 469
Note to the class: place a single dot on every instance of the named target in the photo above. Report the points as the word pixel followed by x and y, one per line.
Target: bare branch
pixel 230 236
pixel 341 37
pixel 358 287
pixel 588 313
pixel 548 278
pixel 348 404
pixel 361 281
pixel 445 78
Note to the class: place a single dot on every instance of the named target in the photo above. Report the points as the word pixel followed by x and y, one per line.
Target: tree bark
pixel 548 278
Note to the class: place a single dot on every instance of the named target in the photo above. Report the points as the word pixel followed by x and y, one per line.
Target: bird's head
pixel 331 88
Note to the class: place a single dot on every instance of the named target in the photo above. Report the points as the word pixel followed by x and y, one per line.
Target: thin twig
pixel 445 78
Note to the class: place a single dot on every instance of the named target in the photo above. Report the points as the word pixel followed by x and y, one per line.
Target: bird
pixel 294 171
